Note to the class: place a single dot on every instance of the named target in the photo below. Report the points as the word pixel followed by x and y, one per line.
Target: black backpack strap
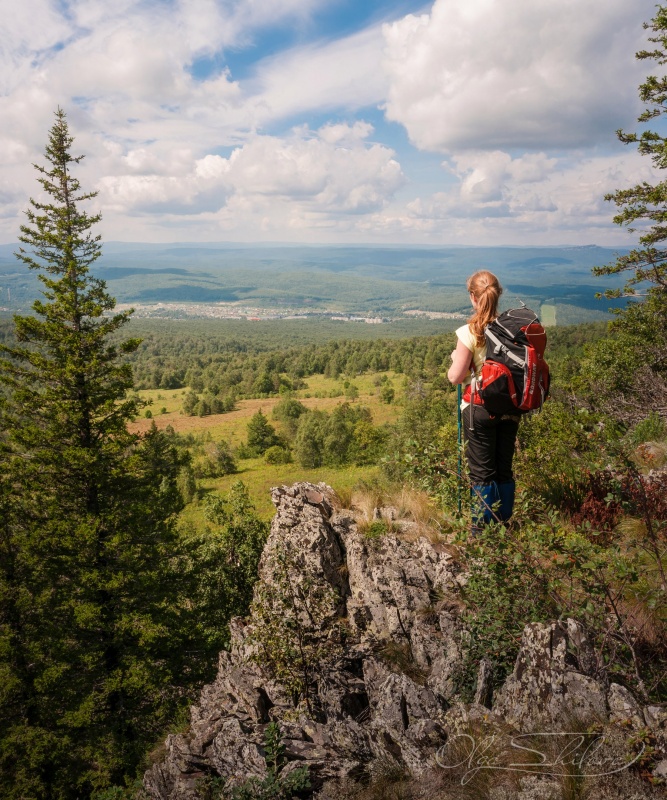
pixel 499 347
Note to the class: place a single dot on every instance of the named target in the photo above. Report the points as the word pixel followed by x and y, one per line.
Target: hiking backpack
pixel 515 377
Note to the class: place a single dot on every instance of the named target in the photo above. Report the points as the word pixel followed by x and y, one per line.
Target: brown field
pixel 232 426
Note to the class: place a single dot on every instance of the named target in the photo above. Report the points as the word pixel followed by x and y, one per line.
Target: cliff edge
pixel 353 648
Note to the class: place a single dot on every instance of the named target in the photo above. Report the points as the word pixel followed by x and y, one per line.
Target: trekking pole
pixel 458 419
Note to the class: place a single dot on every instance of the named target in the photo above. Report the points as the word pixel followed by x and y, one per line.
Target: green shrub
pixel 261 434
pixel 222 562
pixel 278 455
pixel 651 429
pixel 541 569
pixel 557 446
pixel 288 411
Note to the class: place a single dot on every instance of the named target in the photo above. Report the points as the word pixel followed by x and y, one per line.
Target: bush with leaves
pixel 387 393
pixel 542 569
pixel 187 483
pixel 651 429
pixel 261 434
pixel 278 455
pixel 216 459
pixel 557 447
pixel 344 436
pixel 423 446
pixel 288 412
pixel 309 441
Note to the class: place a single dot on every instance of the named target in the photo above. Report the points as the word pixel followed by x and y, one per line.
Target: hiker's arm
pixel 461 360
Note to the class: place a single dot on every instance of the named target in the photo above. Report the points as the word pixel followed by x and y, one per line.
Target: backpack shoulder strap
pixel 499 347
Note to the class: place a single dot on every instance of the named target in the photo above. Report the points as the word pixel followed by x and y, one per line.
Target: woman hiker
pixel 489 439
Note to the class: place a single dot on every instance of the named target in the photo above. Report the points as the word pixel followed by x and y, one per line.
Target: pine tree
pixel 629 378
pixel 261 434
pixel 89 624
pixel 644 207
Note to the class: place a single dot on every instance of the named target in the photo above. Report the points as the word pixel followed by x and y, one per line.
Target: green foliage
pixel 208 403
pixel 309 442
pixel 216 459
pixel 221 563
pixel 261 434
pixel 187 483
pixel 625 375
pixel 205 359
pixel 543 569
pixel 556 446
pixel 423 447
pixel 278 455
pixel 641 345
pixel 650 429
pixel 376 529
pixel 93 633
pixel 293 627
pixel 288 412
pixel 387 393
pixel 345 436
pixel 368 444
pixel 351 390
pixel 644 204
pixel 190 402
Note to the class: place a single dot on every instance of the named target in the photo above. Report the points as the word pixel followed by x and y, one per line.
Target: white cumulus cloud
pixel 486 74
pixel 333 171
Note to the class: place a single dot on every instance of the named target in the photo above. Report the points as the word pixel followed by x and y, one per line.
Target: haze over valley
pixel 371 283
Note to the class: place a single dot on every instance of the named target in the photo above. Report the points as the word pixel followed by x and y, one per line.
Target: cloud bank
pixel 508 111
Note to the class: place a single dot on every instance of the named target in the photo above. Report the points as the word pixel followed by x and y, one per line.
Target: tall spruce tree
pixel 629 379
pixel 643 207
pixel 90 654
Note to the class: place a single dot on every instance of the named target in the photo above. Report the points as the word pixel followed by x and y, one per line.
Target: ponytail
pixel 486 289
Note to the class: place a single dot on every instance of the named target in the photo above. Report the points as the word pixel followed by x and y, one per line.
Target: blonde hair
pixel 486 289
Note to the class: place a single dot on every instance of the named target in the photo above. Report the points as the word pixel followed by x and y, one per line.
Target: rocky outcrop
pixel 552 684
pixel 381 621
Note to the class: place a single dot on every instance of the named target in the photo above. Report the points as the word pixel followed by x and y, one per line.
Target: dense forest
pixel 113 610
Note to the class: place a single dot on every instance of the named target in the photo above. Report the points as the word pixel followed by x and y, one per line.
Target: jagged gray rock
pixel 550 686
pixel 384 694
pixel 364 709
pixel 623 708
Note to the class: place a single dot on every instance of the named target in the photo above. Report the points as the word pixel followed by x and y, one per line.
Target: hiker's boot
pixel 506 491
pixel 484 498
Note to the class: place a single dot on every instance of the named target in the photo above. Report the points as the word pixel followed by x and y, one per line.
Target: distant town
pixel 256 314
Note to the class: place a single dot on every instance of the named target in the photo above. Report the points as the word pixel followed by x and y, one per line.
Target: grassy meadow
pixel 319 392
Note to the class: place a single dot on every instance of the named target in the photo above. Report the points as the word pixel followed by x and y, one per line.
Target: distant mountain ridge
pixel 360 279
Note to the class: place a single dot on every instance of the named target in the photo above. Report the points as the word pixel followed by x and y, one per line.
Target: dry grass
pixel 398 657
pixel 407 512
pixel 364 502
pixel 343 570
pixel 342 498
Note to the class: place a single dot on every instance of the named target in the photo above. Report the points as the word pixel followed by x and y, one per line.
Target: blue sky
pixel 450 122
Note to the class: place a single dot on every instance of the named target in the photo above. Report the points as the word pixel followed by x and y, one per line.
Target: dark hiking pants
pixel 489 446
